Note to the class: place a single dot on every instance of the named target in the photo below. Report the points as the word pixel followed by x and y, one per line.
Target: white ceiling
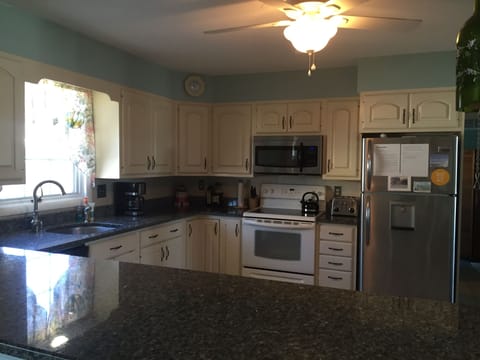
pixel 170 32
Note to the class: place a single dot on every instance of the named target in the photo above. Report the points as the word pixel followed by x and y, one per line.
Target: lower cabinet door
pixel 169 253
pixel 153 254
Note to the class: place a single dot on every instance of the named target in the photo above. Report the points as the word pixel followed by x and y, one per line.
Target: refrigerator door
pixel 408 245
pixel 411 163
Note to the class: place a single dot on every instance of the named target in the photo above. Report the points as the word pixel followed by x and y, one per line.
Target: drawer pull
pixel 163 254
pixel 168 253
pixel 335 249
pixel 334 278
pixel 153 236
pixel 336 234
pixel 116 247
pixel 173 230
pixel 335 263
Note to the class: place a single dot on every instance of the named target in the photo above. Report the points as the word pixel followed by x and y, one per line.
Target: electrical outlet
pixel 101 191
pixel 337 191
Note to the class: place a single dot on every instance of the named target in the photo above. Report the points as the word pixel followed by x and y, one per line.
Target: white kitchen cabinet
pixel 193 139
pixel 134 139
pixel 337 256
pixel 125 247
pixel 147 134
pixel 342 139
pixel 231 139
pixel 292 117
pixel 12 122
pixel 416 110
pixel 163 245
pixel 203 245
pixel 230 236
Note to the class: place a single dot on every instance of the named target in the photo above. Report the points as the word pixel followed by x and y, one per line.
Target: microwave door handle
pixel 300 157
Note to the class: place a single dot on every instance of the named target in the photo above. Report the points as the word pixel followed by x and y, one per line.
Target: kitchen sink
pixel 83 229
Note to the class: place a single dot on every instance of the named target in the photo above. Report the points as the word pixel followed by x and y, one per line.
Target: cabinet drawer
pixel 161 233
pixel 335 262
pixel 337 232
pixel 336 248
pixel 336 279
pixel 114 247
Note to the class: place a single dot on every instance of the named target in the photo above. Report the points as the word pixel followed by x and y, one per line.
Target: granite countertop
pixel 112 310
pixel 48 241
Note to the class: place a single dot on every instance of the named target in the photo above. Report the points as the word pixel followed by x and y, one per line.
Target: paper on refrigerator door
pixel 400 160
pixel 414 160
pixel 386 159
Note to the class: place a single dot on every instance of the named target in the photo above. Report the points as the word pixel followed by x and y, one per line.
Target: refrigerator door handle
pixel 369 165
pixel 367 220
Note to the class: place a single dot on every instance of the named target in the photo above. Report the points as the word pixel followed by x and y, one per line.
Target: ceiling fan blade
pixel 379 23
pixel 254 26
pixel 281 4
pixel 344 5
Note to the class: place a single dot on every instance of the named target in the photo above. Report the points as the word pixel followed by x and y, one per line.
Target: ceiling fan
pixel 311 24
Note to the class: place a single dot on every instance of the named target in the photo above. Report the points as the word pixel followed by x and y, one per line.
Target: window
pixel 58 140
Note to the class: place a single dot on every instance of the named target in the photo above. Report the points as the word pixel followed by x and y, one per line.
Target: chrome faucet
pixel 37 224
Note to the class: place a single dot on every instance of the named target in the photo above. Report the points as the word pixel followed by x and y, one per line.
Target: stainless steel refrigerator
pixel 409 215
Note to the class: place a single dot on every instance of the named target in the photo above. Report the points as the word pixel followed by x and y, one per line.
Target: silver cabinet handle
pixel 173 230
pixel 163 254
pixel 153 236
pixel 246 164
pixel 413 116
pixel 328 165
pixel 205 164
pixel 153 162
pixel 215 228
pixel 168 253
pixel 116 247
pixel 283 122
pixel 335 263
pixel 334 277
pixel 334 249
pixel 149 163
pixel 189 229
pixel 236 230
pixel 290 121
pixel 404 116
pixel 335 233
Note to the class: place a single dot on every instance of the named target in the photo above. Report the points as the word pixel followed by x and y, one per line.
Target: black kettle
pixel 311 205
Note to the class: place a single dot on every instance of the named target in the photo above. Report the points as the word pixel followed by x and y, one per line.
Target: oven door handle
pixel 299 226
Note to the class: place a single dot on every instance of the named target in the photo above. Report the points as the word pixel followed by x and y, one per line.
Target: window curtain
pixel 79 125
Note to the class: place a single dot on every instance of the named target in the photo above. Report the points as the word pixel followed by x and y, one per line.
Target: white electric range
pixel 278 238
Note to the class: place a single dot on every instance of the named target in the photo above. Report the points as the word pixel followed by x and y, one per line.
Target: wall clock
pixel 194 85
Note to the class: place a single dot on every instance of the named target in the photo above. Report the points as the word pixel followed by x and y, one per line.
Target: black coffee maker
pixel 129 198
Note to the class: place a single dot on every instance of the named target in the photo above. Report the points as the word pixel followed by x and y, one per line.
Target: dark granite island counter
pixel 111 310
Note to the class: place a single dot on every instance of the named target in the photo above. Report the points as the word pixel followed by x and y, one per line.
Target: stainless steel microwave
pixel 291 155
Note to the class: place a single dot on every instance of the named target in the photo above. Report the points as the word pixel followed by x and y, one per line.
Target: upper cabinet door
pixel 304 117
pixel 434 110
pixel 343 140
pixel 231 126
pixel 12 122
pixel 193 130
pixel 383 112
pixel 163 123
pixel 271 118
pixel 136 134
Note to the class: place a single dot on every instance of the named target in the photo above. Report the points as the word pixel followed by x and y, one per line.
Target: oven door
pixel 279 246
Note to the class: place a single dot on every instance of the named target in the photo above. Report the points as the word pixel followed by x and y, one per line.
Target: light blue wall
pixel 425 70
pixel 29 36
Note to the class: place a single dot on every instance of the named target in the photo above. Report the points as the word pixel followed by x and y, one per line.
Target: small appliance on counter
pixel 310 203
pixel 181 198
pixel 344 206
pixel 128 197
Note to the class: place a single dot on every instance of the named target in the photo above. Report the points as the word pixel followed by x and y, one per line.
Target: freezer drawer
pixel 408 245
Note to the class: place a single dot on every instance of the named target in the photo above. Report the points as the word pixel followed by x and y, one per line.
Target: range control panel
pixel 344 206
